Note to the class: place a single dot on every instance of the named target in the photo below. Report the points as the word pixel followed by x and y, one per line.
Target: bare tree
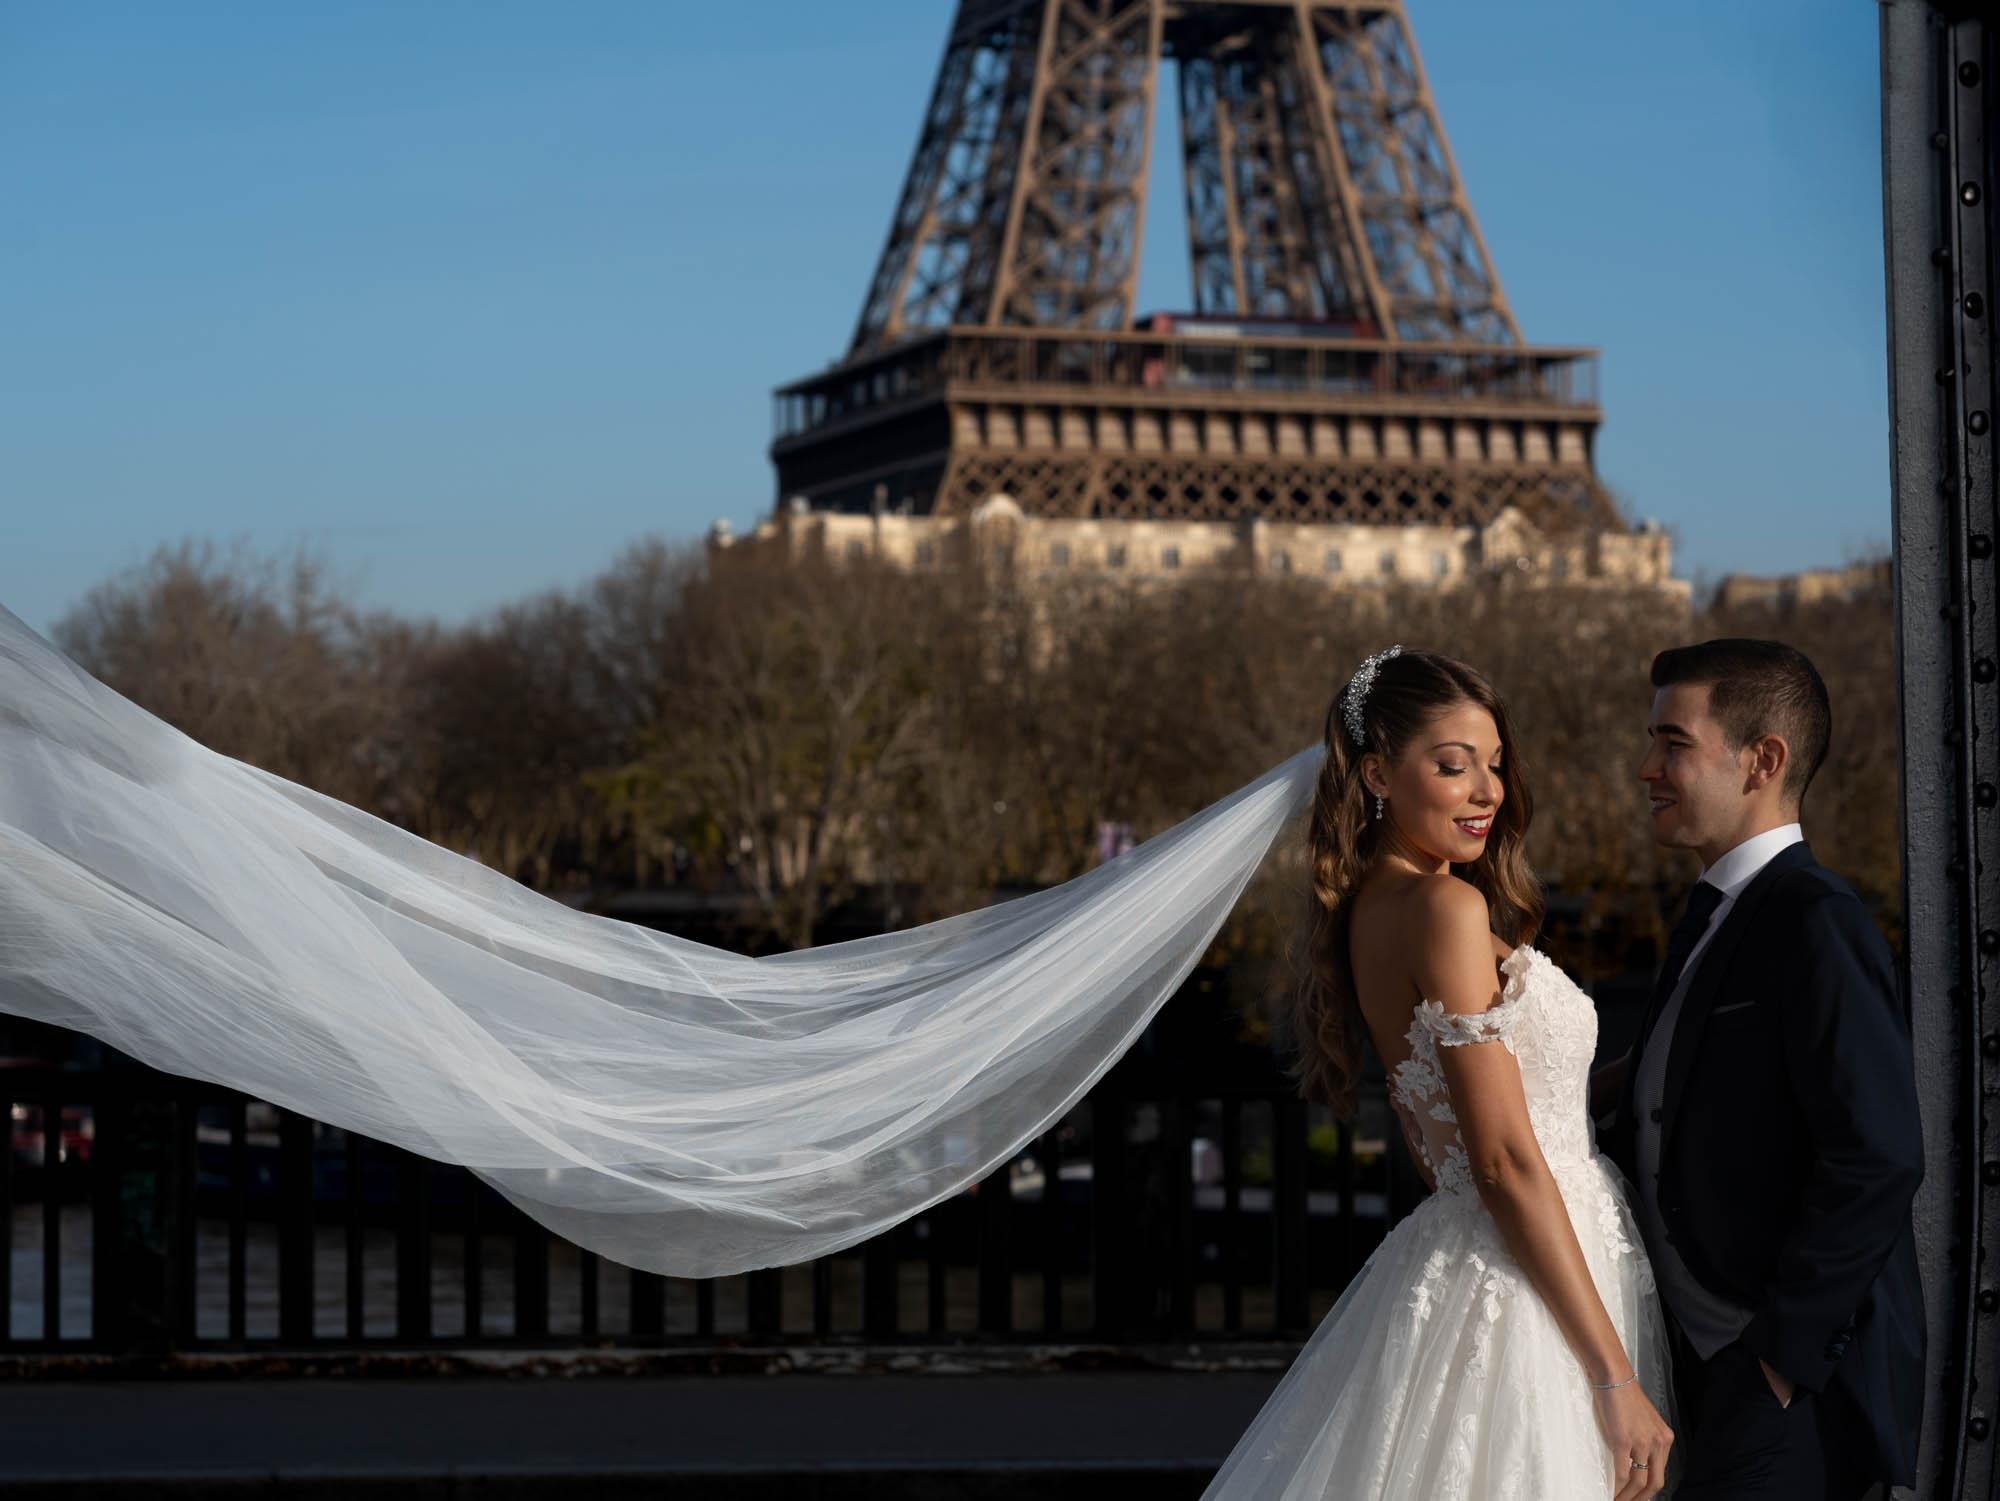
pixel 503 730
pixel 792 721
pixel 261 659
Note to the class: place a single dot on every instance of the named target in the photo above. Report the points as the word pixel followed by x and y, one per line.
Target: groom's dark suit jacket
pixel 1791 1149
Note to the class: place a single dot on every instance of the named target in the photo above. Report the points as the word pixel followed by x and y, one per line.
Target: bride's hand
pixel 1634 1429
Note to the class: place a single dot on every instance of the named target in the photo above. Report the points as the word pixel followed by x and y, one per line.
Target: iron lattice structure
pixel 1350 356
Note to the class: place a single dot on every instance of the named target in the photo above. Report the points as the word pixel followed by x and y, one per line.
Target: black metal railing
pixel 145 1212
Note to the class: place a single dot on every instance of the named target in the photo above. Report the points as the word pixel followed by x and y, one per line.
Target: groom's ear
pixel 1769 756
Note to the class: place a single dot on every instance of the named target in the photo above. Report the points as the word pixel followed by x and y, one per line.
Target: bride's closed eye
pixel 1449 770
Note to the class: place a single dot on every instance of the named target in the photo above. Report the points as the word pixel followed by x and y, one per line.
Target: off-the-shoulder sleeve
pixel 1456 1028
pixel 1495 1024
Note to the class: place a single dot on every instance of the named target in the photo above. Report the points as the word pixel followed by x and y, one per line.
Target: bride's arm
pixel 1455 968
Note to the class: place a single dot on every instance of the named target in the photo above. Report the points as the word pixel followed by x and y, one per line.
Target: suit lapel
pixel 1711 968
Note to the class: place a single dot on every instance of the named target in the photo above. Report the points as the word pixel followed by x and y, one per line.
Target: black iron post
pixel 140 1199
pixel 1938 182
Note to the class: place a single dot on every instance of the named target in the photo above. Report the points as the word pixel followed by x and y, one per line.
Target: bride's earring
pixel 1378 805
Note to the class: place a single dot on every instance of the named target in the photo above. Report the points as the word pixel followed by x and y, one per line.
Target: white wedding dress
pixel 1440 1375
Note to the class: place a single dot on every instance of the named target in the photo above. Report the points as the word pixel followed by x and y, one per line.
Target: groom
pixel 1767 1115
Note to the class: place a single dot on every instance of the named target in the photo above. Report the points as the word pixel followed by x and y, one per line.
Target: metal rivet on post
pixel 1976 424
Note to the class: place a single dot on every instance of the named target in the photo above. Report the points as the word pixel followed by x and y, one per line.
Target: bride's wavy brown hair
pixel 1410 691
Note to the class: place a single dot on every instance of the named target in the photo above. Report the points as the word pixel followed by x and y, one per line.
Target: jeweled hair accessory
pixel 1354 702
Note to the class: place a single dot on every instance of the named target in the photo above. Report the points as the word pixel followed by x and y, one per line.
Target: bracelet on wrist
pixel 1612 1386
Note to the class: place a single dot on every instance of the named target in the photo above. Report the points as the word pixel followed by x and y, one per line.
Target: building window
pixel 1114 555
pixel 856 548
pixel 1388 565
pixel 1003 554
pixel 1281 562
pixel 1059 554
pixel 926 553
pixel 1560 565
pixel 1333 560
pixel 1170 557
pixel 1440 564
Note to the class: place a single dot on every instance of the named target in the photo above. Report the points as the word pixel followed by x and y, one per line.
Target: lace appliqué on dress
pixel 1418 1083
pixel 1451 1029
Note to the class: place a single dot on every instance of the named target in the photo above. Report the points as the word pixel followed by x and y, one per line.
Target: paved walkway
pixel 789 1437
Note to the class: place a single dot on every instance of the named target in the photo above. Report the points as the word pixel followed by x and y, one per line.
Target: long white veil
pixel 672 1106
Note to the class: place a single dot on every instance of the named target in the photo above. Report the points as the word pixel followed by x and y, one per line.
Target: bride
pixel 694 1112
pixel 1504 1341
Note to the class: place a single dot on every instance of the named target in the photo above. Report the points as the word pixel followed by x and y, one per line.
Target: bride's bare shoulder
pixel 1430 911
pixel 1402 930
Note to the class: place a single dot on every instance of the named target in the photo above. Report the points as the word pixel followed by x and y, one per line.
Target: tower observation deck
pixel 1350 356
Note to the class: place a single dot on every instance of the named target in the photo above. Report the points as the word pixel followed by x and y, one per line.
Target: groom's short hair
pixel 1759 688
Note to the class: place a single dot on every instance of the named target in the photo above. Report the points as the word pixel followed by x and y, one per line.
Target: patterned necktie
pixel 1702 902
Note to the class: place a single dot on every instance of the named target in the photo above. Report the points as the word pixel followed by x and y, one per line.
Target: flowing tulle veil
pixel 675 1107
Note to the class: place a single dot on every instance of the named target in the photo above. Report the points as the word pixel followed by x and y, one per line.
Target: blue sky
pixel 465 296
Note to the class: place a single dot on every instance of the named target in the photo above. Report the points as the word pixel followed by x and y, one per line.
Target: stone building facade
pixel 1808 587
pixel 1343 556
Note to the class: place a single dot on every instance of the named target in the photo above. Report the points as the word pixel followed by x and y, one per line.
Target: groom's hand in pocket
pixel 1780 1387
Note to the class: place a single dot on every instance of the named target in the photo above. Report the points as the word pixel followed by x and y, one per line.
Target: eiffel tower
pixel 1350 357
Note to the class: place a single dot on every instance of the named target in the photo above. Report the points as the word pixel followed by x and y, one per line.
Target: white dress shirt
pixel 1709 1320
